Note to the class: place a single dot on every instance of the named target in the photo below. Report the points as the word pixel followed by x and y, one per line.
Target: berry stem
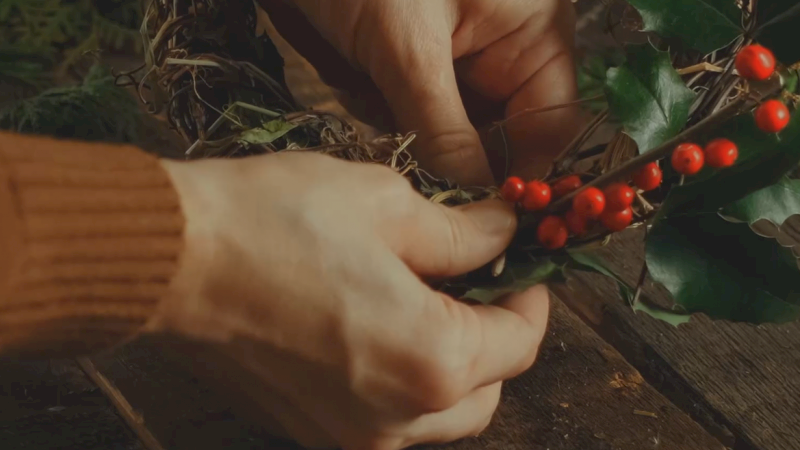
pixel 637 296
pixel 563 160
pixel 733 109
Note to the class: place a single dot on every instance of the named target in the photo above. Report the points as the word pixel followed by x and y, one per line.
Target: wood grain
pixel 48 405
pixel 742 382
pixel 581 394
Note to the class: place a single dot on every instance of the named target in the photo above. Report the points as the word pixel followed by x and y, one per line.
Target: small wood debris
pixel 702 67
pixel 645 413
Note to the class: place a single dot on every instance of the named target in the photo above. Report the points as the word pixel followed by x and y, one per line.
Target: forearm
pixel 90 236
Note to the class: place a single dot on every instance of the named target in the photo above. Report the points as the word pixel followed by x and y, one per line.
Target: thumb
pixel 417 79
pixel 440 241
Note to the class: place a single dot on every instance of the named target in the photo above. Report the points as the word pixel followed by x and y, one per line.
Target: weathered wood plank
pixel 51 405
pixel 742 382
pixel 580 395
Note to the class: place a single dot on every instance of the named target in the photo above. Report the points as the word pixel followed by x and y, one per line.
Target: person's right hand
pixel 307 271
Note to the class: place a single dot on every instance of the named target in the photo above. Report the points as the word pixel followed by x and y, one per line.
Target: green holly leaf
pixel 593 263
pixel 790 79
pixel 588 262
pixel 724 270
pixel 673 318
pixel 763 161
pixel 648 96
pixel 516 277
pixel 705 25
pixel 779 19
pixel 774 203
pixel 267 133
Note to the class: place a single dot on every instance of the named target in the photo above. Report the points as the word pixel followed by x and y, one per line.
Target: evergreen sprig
pixel 96 110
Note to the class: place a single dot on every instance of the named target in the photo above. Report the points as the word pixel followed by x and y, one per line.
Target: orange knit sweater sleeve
pixel 90 236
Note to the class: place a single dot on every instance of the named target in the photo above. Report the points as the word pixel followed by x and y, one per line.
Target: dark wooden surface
pixel 742 382
pixel 581 395
pixel 51 405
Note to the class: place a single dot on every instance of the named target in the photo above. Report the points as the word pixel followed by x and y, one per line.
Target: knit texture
pixel 90 236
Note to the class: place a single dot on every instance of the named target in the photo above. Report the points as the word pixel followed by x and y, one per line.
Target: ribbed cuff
pixel 91 235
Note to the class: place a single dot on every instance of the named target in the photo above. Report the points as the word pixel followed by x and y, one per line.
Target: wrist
pixel 194 184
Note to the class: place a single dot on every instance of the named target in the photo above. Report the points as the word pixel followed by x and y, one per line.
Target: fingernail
pixel 492 217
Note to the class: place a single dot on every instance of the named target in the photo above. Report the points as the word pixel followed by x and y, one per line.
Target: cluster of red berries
pixel 755 62
pixel 612 206
pixel 689 158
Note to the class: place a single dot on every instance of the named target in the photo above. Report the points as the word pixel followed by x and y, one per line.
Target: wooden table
pixel 606 379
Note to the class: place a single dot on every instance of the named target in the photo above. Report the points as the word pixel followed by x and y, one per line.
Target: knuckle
pixel 452 146
pixel 440 379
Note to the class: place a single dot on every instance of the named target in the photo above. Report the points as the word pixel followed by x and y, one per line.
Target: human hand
pixel 429 58
pixel 305 270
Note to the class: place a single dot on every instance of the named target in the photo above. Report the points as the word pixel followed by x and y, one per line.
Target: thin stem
pixel 639 285
pixel 191 62
pixel 733 109
pixel 725 94
pixel 545 109
pixel 579 140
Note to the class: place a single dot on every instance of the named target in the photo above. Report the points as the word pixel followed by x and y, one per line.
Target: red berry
pixel 617 220
pixel 772 116
pixel 537 196
pixel 688 159
pixel 513 189
pixel 552 232
pixel 619 196
pixel 721 153
pixel 589 203
pixel 566 185
pixel 755 62
pixel 648 177
pixel 576 223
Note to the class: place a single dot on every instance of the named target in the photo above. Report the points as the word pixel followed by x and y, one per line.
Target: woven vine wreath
pixel 708 145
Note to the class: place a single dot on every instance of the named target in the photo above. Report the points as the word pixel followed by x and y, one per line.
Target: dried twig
pixel 133 419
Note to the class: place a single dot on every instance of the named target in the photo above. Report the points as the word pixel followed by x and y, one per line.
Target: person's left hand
pixel 424 60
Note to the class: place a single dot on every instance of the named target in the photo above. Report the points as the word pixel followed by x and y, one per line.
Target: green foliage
pixel 779 21
pixel 96 110
pixel 591 262
pixel 724 269
pixel 591 76
pixel 267 133
pixel 775 203
pixel 515 278
pixel 40 24
pixel 648 97
pixel 700 245
pixel 69 28
pixel 705 25
pixel 671 317
pixel 763 161
pixel 23 72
